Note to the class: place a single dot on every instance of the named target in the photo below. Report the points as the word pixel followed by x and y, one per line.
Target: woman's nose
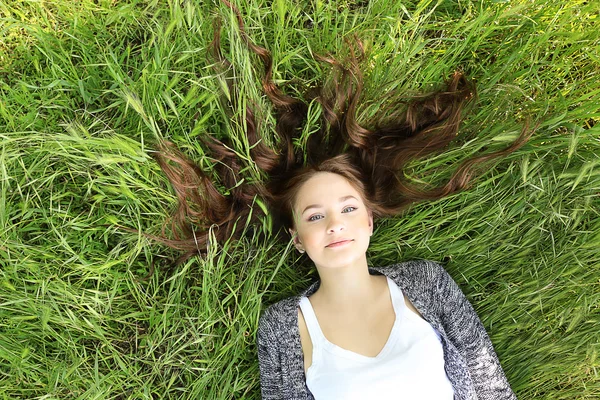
pixel 335 225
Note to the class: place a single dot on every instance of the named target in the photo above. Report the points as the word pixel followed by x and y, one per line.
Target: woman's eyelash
pixel 311 217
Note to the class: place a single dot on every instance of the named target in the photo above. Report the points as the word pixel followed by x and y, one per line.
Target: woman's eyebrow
pixel 342 199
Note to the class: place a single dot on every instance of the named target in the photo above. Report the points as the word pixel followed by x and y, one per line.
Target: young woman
pixel 402 331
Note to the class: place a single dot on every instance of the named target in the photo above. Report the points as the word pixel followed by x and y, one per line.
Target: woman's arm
pixel 271 383
pixel 465 330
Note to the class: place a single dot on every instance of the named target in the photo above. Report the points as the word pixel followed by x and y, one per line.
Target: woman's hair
pixel 284 194
pixel 370 155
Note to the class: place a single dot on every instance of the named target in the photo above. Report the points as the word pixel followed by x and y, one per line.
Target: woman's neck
pixel 347 288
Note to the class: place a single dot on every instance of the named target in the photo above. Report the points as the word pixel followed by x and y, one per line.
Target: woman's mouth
pixel 340 243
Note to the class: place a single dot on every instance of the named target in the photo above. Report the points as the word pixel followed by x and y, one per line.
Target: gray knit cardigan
pixel 470 361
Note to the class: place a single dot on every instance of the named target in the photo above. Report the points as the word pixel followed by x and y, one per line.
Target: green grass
pixel 86 89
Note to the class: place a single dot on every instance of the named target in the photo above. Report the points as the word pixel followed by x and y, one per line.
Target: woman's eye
pixel 314 217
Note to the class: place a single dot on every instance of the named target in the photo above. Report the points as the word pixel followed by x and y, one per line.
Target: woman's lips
pixel 338 244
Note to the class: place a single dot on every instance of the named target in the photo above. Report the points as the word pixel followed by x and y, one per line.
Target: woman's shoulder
pixel 420 280
pixel 281 315
pixel 414 271
pixel 284 313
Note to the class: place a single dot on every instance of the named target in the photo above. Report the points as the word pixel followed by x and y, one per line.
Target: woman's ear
pixel 371 221
pixel 294 235
pixel 296 240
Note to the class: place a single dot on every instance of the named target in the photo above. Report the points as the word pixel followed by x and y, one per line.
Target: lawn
pixel 90 310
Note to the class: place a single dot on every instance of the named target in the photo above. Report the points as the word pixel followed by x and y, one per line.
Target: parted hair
pixel 371 155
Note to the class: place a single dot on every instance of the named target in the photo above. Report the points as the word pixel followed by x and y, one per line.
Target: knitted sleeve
pixel 464 328
pixel 268 357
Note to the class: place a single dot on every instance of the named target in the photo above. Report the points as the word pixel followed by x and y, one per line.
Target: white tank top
pixel 410 365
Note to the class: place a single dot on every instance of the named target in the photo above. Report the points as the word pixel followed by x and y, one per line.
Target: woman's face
pixel 328 209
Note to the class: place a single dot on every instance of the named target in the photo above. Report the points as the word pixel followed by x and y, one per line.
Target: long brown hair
pixel 371 155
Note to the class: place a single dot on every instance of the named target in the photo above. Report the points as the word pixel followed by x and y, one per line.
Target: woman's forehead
pixel 324 187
